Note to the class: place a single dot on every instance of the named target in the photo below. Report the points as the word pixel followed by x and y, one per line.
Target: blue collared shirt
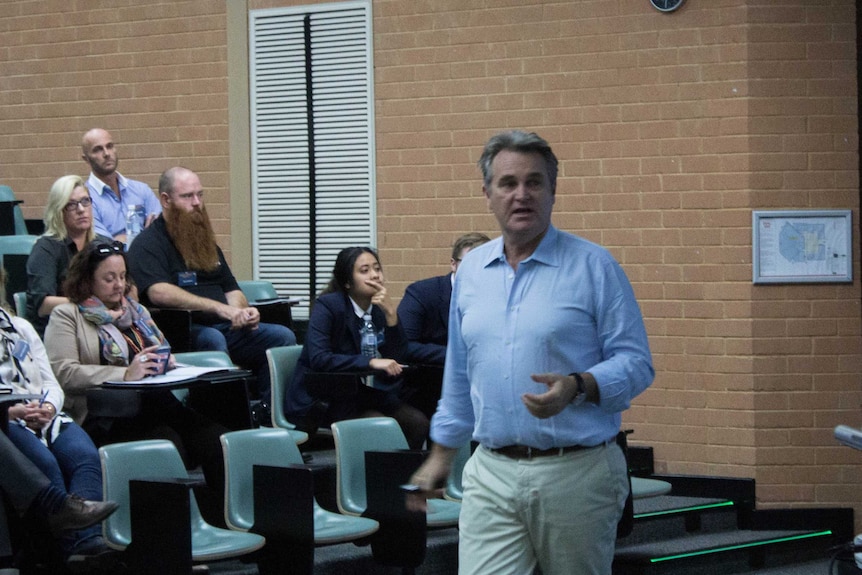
pixel 569 307
pixel 109 212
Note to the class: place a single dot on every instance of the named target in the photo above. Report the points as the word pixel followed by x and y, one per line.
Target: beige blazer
pixel 72 343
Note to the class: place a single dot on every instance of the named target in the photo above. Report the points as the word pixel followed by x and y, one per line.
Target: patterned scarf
pixel 115 347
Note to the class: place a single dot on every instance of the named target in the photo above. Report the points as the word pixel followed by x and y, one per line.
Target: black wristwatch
pixel 581 396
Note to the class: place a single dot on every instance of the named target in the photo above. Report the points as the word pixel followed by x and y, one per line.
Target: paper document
pixel 179 373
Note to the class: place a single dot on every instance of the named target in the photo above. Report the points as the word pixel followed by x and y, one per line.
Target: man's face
pixel 187 194
pixel 453 264
pixel 520 195
pixel 100 153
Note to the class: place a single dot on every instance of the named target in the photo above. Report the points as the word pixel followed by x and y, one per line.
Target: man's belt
pixel 527 452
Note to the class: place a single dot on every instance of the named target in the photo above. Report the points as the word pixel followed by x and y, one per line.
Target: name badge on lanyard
pixel 187 279
pixel 21 349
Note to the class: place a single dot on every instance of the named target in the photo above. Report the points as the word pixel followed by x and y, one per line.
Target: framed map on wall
pixel 802 246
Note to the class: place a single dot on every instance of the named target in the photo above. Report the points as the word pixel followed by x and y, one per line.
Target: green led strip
pixel 741 546
pixel 684 509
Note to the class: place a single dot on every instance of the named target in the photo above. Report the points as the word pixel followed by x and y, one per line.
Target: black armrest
pixel 7 400
pixel 113 402
pixel 337 386
pixel 276 311
pixel 160 517
pixel 284 515
pixel 7 216
pixel 402 537
pixel 35 227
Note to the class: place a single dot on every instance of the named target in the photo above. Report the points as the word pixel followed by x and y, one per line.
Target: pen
pixel 43 398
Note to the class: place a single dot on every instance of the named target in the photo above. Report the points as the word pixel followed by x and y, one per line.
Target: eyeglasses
pixel 72 206
pixel 114 248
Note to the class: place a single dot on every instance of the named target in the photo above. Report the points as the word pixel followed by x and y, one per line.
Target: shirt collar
pixel 358 310
pixel 100 186
pixel 544 252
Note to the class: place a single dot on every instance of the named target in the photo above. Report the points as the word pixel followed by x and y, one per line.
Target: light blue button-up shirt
pixel 109 212
pixel 569 307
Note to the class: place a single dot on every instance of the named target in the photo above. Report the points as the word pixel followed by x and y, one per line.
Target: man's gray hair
pixel 518 141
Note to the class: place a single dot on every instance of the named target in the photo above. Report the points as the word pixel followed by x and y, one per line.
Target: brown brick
pixel 669 131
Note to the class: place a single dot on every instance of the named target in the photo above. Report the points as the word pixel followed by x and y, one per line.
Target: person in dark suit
pixel 424 313
pixel 333 347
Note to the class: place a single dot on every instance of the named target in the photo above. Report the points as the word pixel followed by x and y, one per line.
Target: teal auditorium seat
pixel 257 290
pixel 7 195
pixel 353 438
pixel 282 363
pixel 227 405
pixel 17 244
pixel 159 459
pixel 262 295
pixel 276 447
pixel 643 487
pixel 201 359
pixel 205 359
pixel 454 490
pixel 14 251
pixel 20 298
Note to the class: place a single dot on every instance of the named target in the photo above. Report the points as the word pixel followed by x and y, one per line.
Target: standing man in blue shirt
pixel 547 347
pixel 110 191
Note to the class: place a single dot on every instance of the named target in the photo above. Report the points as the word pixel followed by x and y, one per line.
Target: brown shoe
pixel 77 513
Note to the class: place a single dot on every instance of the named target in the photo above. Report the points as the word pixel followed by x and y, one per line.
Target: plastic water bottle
pixel 368 337
pixel 134 223
pixel 857 556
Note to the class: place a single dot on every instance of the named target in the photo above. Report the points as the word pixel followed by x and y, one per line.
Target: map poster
pixel 804 246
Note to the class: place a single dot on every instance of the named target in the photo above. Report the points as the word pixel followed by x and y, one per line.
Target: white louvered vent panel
pixel 342 95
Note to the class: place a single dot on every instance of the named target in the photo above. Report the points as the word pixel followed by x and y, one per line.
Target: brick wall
pixel 670 128
pixel 153 73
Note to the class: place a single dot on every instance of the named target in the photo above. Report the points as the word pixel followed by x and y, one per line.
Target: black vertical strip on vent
pixel 312 168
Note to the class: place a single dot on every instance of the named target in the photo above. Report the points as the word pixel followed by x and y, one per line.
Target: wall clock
pixel 666 5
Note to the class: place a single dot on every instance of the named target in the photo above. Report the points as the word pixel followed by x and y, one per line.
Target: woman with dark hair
pixel 333 345
pixel 105 335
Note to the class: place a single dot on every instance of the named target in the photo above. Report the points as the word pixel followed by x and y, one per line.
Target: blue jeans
pixel 71 465
pixel 246 347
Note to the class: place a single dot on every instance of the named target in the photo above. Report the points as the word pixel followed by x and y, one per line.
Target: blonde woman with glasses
pixel 68 228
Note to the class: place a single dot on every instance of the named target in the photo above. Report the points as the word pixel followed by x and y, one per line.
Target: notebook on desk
pixel 176 375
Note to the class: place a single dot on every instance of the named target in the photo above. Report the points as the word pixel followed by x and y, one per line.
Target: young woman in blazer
pixel 333 346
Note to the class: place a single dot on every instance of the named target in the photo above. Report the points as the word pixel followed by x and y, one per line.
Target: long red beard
pixel 194 238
